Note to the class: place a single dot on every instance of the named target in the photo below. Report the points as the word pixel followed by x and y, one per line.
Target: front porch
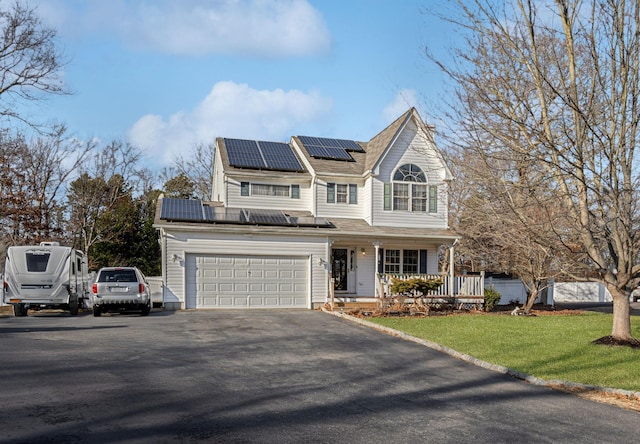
pixel 454 292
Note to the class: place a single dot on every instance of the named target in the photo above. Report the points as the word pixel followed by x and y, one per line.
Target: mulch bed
pixel 616 342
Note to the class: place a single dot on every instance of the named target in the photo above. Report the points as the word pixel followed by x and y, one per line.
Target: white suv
pixel 119 289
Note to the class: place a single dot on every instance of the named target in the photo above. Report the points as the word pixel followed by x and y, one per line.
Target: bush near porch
pixel 412 286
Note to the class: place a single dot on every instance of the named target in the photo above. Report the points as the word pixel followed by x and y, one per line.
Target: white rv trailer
pixel 45 276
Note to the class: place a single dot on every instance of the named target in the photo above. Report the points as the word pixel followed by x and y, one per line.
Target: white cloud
pixel 266 28
pixel 404 99
pixel 230 110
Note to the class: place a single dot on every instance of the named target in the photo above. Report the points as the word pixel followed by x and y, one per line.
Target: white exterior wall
pixel 344 210
pixel 367 201
pixel 411 147
pixel 217 189
pixel 236 200
pixel 182 244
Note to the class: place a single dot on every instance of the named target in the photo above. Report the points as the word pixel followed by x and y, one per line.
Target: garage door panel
pixel 270 288
pixel 240 302
pixel 225 273
pixel 211 273
pixel 271 274
pixel 256 288
pixel 240 287
pixel 251 281
pixel 225 287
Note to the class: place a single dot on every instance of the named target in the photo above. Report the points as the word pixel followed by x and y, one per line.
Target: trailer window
pixel 37 262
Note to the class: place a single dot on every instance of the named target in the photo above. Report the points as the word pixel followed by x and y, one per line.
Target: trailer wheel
pixel 20 310
pixel 73 308
pixel 96 311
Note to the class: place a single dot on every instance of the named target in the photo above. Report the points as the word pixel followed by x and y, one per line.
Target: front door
pixel 340 268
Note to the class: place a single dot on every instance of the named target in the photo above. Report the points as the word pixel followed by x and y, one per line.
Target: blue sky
pixel 168 74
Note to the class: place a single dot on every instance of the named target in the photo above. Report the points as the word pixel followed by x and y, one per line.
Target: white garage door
pixel 250 281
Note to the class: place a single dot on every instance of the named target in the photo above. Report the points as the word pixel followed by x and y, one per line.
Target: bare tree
pixel 30 60
pixel 99 188
pixel 198 169
pixel 554 86
pixel 33 175
pixel 503 230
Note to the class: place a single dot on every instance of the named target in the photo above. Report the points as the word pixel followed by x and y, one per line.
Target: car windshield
pixel 118 276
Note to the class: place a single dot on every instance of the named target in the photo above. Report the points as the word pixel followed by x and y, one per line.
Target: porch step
pixel 355 305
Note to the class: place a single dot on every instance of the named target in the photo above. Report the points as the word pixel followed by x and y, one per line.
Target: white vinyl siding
pixel 349 206
pixel 342 193
pixel 412 147
pixel 298 198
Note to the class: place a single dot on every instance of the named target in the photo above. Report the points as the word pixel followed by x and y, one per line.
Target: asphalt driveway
pixel 266 376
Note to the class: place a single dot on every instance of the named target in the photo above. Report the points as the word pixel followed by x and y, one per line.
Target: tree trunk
pixel 530 301
pixel 621 315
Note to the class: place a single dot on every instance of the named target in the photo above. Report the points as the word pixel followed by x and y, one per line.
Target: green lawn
pixel 549 347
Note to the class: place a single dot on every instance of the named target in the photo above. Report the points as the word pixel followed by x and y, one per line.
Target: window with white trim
pixel 396 261
pixel 392 261
pixel 261 189
pixel 342 193
pixel 410 192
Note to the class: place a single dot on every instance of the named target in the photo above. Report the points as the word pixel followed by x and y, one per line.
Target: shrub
pixel 491 298
pixel 404 286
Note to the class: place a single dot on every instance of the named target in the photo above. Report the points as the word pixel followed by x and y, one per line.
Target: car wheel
pixel 73 308
pixel 20 310
pixel 96 311
pixel 146 309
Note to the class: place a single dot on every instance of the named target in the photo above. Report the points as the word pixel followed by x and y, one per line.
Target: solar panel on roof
pixel 192 210
pixel 308 221
pixel 325 152
pixel 336 149
pixel 224 215
pixel 244 153
pixel 189 210
pixel 349 145
pixel 261 155
pixel 279 156
pixel 267 217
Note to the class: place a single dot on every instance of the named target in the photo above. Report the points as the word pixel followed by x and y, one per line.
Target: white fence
pixel 580 292
pixel 514 291
pixel 155 286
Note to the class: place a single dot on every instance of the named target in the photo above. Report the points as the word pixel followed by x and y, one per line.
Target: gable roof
pixel 379 144
pixel 358 163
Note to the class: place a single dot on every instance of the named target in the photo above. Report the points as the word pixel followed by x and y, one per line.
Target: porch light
pixel 362 251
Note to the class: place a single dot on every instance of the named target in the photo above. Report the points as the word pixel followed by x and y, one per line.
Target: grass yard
pixel 549 347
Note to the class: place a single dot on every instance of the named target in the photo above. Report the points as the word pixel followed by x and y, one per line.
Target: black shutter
pixel 423 261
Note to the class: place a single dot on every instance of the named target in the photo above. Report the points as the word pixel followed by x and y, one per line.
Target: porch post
pixel 451 268
pixel 376 245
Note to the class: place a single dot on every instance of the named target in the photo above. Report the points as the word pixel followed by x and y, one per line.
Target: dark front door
pixel 339 268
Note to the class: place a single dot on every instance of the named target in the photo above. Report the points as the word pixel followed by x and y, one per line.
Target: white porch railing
pixel 471 286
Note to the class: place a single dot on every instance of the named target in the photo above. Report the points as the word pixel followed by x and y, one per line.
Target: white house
pixel 287 219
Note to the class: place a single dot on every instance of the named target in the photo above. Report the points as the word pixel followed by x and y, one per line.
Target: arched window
pixel 409 173
pixel 409 189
